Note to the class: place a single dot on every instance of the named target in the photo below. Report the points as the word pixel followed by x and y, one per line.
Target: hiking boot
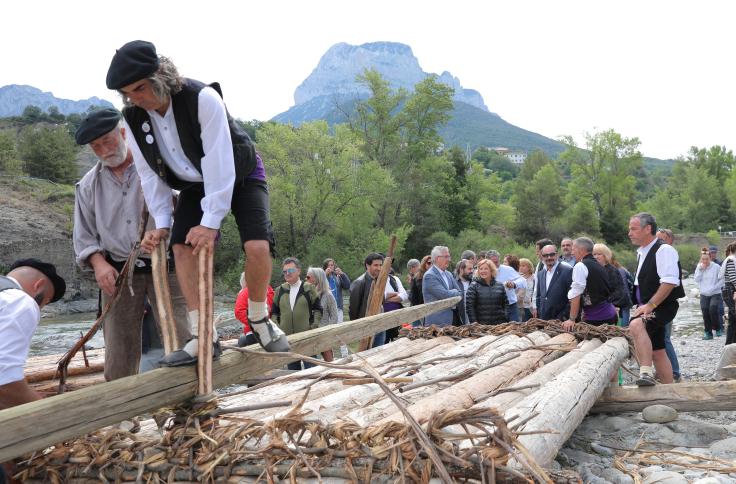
pixel 719 333
pixel 269 335
pixel 646 380
pixel 707 335
pixel 188 354
pixel 677 379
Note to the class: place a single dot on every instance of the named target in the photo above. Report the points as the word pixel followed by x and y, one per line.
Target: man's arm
pixel 356 289
pixel 17 393
pixel 663 291
pixel 433 286
pixel 344 281
pixel 574 310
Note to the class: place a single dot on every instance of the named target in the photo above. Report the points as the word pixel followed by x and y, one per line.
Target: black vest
pixel 596 285
pixel 648 279
pixel 185 105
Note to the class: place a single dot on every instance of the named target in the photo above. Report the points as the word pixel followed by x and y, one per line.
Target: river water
pixel 58 334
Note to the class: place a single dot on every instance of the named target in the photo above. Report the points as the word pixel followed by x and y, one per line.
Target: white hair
pixel 437 251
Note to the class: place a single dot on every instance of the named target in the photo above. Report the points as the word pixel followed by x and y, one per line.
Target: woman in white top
pixel 524 295
pixel 708 276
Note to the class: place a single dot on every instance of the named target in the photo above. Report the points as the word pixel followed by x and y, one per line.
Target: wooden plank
pixel 35 425
pixel 683 397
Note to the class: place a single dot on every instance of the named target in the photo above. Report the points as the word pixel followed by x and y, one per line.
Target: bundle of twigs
pixel 206 449
pixel 582 331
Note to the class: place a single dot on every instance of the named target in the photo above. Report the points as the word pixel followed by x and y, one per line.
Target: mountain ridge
pixel 14 98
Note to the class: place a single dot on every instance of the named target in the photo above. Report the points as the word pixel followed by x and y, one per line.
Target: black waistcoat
pixel 185 105
pixel 596 286
pixel 648 279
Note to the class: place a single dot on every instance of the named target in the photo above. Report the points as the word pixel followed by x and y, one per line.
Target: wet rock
pixel 572 457
pixel 616 476
pixel 590 474
pixel 659 414
pixel 725 448
pixel 694 433
pixel 602 450
pixel 616 423
pixel 645 471
pixel 665 477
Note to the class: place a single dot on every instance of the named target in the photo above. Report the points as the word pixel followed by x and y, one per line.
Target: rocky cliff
pixel 337 69
pixel 14 98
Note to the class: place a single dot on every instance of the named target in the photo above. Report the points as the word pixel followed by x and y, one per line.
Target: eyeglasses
pixel 551 254
pixel 290 270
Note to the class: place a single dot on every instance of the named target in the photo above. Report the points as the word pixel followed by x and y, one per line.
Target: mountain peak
pixel 337 69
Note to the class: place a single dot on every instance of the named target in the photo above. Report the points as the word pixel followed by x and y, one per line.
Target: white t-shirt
pixel 19 316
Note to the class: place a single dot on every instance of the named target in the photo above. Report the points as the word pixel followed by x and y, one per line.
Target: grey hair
pixel 646 218
pixel 165 82
pixel 412 263
pixel 437 251
pixel 320 279
pixel 292 260
pixel 584 243
pixel 468 254
pixel 492 253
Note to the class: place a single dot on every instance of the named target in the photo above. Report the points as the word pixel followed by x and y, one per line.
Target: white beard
pixel 118 158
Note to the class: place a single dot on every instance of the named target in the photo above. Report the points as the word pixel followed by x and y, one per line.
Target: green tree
pixel 33 114
pixel 538 204
pixel 49 153
pixel 604 172
pixel 8 152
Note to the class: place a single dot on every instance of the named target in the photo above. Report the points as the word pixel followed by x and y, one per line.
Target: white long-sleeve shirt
pixel 710 279
pixel 218 165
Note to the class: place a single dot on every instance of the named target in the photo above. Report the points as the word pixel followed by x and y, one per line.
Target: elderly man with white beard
pixel 107 213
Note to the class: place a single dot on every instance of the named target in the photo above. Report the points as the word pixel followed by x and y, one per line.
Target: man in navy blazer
pixel 553 281
pixel 438 283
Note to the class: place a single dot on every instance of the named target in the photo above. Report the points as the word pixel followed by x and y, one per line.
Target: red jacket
pixel 241 307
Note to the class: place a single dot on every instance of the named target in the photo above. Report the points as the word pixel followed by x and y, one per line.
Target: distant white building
pixel 516 157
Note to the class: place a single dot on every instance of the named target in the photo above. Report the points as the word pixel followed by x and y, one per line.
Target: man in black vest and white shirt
pixel 657 286
pixel 182 137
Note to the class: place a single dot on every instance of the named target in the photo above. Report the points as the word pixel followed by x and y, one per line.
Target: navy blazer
pixel 434 288
pixel 552 302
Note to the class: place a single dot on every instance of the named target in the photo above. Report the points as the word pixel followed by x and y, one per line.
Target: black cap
pixel 96 124
pixel 132 62
pixel 48 270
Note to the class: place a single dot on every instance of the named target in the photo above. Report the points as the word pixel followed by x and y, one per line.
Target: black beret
pixel 48 270
pixel 132 62
pixel 96 124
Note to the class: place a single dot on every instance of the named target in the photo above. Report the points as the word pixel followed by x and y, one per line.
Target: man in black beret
pixel 107 216
pixel 29 286
pixel 182 137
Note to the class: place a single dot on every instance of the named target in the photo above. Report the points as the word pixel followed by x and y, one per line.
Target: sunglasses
pixel 551 254
pixel 291 270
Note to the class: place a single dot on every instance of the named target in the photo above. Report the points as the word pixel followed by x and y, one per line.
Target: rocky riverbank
pixel 697 447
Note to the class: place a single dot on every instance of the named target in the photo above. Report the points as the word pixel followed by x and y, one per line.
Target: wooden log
pixel 51 373
pixel 378 287
pixel 336 404
pixel 562 403
pixel 164 309
pixel 35 425
pixel 683 397
pixel 461 395
pixel 540 377
pixel 206 308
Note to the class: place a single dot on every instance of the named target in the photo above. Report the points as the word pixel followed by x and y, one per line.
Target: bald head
pixel 34 283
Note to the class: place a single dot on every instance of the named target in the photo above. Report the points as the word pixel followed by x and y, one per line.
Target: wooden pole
pixel 38 424
pixel 378 287
pixel 164 309
pixel 701 396
pixel 204 360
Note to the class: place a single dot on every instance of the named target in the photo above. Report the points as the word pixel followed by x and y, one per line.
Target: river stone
pixel 616 423
pixel 599 449
pixel 659 414
pixel 725 448
pixel 694 433
pixel 707 480
pixel 645 471
pixel 728 359
pixel 616 476
pixel 665 477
